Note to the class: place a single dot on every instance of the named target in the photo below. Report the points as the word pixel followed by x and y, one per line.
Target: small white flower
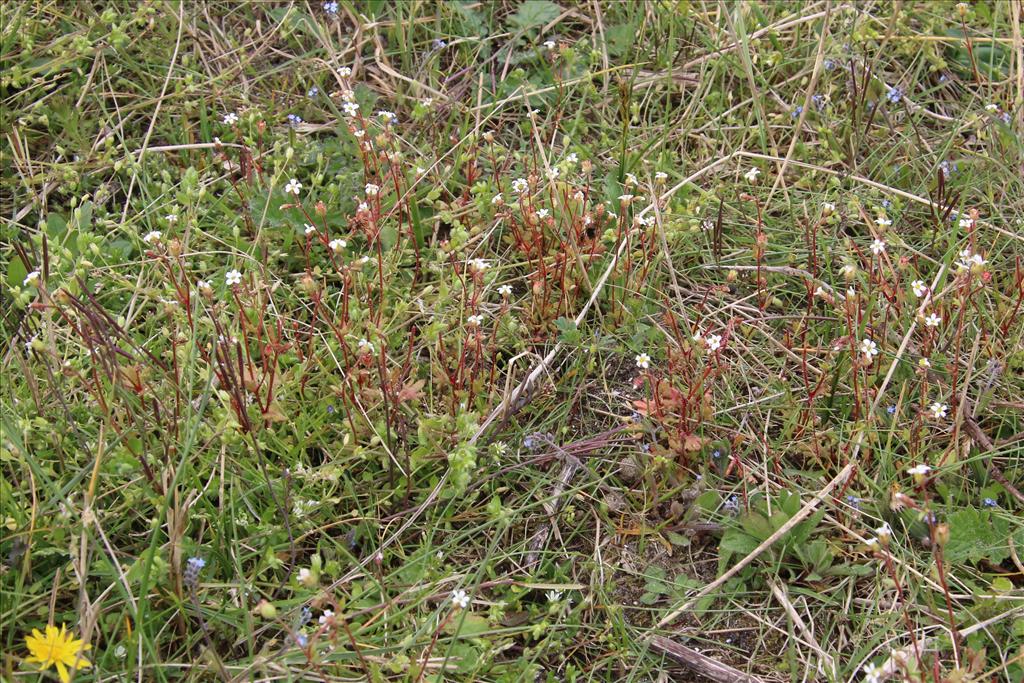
pixel 520 185
pixel 884 532
pixel 232 277
pixel 924 363
pixel 871 542
pixel 869 348
pixel 554 596
pixel 305 576
pixel 938 410
pixel 849 270
pixel 372 190
pixel 360 134
pixel 459 599
pixel 919 470
pixel 968 260
pixel 496 199
pixel 327 616
pixel 752 174
pixel 389 117
pixel 631 180
pixel 365 346
pixel 542 213
pixel 479 265
pixel 552 173
pixel 204 286
pixel 350 108
pixel 230 119
pixel 344 72
pixel 475 320
pixel 713 342
pixel 992 107
pixel 877 247
pixel 171 218
pixel 643 361
pixel 337 244
pixel 828 208
pixel 873 673
pixel 30 279
pixel 505 290
pixel 919 288
pixel 293 187
pixel 363 208
pixel 661 177
pixel 625 198
pixel 549 44
pixel 883 222
pixel 820 292
pixel 571 158
pixel 933 320
pixel 152 236
pixel 310 228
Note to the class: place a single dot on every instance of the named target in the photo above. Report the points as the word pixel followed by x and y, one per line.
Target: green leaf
pixel 16 272
pixel 533 14
pixel 976 535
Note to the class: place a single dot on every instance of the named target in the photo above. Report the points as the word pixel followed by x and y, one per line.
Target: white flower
pixel 969 260
pixel 479 265
pixel 363 208
pixel 924 363
pixel 553 173
pixel 871 542
pixel 554 596
pixel 337 244
pixel 877 247
pixel 849 270
pixel 992 107
pixel 919 288
pixel 496 199
pixel 752 174
pixel 459 599
pixel 520 185
pixel 869 348
pixel 938 410
pixel 305 576
pixel 542 213
pixel 883 222
pixel 505 290
pixel 230 119
pixel 30 279
pixel 372 190
pixel 344 72
pixel 310 229
pixel 549 44
pixel 660 177
pixel 350 108
pixel 643 361
pixel 475 320
pixel 828 208
pixel 919 470
pixel 933 320
pixel 884 532
pixel 152 236
pixel 966 223
pixel 232 277
pixel 873 673
pixel 625 198
pixel 714 342
pixel 204 286
pixel 360 134
pixel 571 158
pixel 388 116
pixel 293 187
pixel 171 218
pixel 365 346
pixel 631 180
pixel 327 616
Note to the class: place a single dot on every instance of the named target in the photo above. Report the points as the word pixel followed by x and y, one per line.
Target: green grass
pixel 369 427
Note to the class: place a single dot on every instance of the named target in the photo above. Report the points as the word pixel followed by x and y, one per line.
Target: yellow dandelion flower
pixel 57 647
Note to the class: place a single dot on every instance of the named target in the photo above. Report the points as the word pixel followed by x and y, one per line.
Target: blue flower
pixel 1005 117
pixel 799 109
pixel 439 44
pixel 854 502
pixel 829 65
pixel 313 92
pixel 990 503
pixel 948 168
pixel 895 94
pixel 716 453
pixel 193 566
pixel 819 102
pixel 294 119
pixel 331 7
pixel 300 638
pixel 305 616
pixel 732 505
